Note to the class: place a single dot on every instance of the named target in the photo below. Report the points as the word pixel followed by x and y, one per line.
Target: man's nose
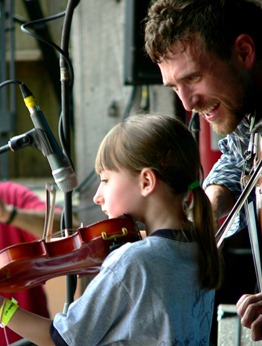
pixel 188 99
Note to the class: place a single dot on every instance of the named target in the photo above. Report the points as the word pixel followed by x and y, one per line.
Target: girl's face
pixel 119 193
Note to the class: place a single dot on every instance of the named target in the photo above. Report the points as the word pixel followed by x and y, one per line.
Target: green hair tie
pixel 193 185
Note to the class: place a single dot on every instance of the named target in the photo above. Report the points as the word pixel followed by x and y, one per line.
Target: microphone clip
pixel 35 138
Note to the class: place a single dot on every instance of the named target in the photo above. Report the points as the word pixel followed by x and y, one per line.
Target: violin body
pixel 26 265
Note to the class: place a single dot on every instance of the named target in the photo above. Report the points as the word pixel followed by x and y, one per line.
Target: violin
pixel 253 210
pixel 29 264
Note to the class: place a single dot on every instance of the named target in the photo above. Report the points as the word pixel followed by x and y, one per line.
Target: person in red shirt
pixel 22 217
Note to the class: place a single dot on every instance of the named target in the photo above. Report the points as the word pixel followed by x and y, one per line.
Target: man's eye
pixel 103 180
pixel 194 78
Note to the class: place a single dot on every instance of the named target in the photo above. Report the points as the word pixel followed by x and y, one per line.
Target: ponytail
pixel 204 224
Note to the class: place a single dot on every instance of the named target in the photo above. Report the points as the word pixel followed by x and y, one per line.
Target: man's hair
pixel 218 22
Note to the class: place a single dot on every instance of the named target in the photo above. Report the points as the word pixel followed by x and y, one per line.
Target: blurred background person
pixel 22 219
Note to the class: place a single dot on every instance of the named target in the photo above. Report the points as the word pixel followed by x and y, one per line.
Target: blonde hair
pixel 164 144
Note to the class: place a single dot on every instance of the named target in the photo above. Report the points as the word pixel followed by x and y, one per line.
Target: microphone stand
pixel 66 105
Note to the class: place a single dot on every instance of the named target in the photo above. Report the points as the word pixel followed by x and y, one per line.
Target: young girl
pixel 159 290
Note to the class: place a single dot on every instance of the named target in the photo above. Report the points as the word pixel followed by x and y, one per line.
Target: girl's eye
pixel 103 180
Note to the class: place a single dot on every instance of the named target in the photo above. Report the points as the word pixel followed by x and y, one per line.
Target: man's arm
pixel 221 198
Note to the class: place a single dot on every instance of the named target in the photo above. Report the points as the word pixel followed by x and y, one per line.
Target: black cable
pixel 10 81
pixel 52 44
pixel 194 127
pixel 130 103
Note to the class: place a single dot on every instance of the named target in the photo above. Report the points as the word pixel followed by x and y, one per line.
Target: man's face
pixel 219 90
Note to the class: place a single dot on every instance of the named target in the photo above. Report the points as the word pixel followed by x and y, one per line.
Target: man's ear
pixel 147 181
pixel 245 49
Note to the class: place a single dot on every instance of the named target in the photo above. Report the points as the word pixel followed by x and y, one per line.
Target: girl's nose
pixel 97 199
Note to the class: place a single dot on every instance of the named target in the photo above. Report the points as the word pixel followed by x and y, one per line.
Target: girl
pixel 159 290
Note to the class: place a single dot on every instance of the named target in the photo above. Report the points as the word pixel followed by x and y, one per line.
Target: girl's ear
pixel 245 49
pixel 147 181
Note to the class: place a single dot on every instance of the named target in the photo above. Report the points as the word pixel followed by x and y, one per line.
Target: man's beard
pixel 228 126
pixel 233 117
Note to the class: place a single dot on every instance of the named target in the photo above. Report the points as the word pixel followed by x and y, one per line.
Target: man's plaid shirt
pixel 228 169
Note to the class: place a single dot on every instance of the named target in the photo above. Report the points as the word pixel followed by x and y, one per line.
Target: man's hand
pixel 249 308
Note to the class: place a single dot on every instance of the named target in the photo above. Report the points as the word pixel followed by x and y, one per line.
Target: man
pixel 22 218
pixel 210 53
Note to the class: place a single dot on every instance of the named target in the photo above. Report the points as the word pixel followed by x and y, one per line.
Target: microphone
pixel 62 170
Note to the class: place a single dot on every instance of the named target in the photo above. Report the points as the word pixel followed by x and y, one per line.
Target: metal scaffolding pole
pixel 7 71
